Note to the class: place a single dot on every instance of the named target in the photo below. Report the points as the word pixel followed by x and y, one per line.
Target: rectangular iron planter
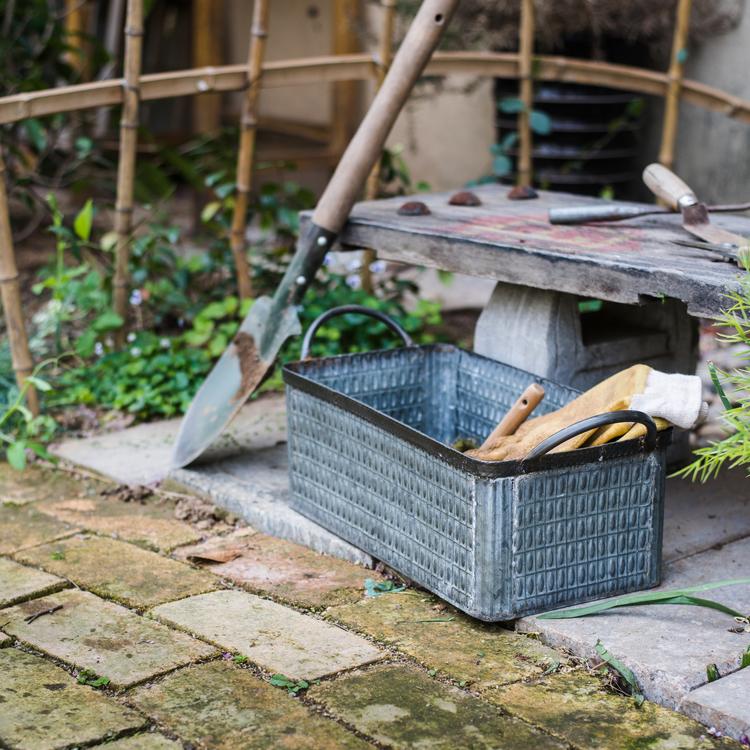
pixel 371 460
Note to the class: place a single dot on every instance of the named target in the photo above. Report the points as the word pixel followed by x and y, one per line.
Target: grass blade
pixel 676 596
pixel 622 670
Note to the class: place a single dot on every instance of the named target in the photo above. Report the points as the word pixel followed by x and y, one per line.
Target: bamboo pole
pixel 525 52
pixel 675 75
pixel 385 55
pixel 361 67
pixel 206 51
pixel 11 299
pixel 246 155
pixel 345 92
pixel 126 164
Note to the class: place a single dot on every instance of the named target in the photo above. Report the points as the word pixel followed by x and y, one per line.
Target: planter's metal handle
pixel 600 420
pixel 360 310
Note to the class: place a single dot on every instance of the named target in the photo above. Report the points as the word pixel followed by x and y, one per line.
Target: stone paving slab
pixel 143 741
pixel 255 486
pixel 39 483
pixel 272 636
pixel 699 516
pixel 24 526
pixel 5 640
pixel 150 524
pixel 464 649
pixel 43 708
pixel 668 647
pixel 401 707
pixel 724 704
pixel 222 707
pixel 90 633
pixel 142 454
pixel 574 707
pixel 17 583
pixel 285 570
pixel 117 570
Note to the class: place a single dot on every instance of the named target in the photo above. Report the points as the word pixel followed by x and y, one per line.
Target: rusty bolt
pixel 465 198
pixel 414 208
pixel 522 193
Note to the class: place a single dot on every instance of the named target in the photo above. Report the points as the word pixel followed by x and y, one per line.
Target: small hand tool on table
pixel 666 185
pixel 621 212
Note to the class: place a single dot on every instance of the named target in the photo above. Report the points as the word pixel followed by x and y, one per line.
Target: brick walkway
pixel 121 622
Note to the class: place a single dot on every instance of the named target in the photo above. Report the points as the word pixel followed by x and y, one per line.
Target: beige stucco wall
pixel 445 133
pixel 713 152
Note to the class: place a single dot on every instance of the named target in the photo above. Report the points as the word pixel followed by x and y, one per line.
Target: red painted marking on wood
pixel 535 231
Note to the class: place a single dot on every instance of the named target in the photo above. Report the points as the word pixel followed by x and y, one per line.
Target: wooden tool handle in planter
pixel 516 416
pixel 367 145
pixel 665 184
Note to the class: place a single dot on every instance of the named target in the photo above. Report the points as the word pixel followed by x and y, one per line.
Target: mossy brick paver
pixel 24 526
pixel 143 741
pixel 91 633
pixel 117 570
pixel 39 483
pixel 150 524
pixel 18 582
pixel 441 638
pixel 42 707
pixel 223 707
pixel 402 707
pixel 284 570
pixel 575 707
pixel 271 635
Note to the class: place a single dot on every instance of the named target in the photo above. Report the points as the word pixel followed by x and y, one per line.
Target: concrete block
pixel 668 647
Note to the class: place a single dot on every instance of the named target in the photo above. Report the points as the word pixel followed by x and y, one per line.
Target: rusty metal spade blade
pixel 272 320
pixel 695 217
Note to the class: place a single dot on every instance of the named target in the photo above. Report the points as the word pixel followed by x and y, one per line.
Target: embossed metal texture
pixel 370 454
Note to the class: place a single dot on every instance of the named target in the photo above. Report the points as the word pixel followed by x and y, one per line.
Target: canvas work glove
pixel 668 399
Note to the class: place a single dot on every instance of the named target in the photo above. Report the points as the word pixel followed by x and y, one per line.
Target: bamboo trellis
pixel 331 68
pixel 126 165
pixel 246 153
pixel 385 55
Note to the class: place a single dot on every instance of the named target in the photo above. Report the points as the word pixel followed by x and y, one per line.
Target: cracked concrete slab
pixel 723 704
pixel 668 647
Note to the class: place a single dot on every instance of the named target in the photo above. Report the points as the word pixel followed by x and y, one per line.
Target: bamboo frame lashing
pixel 525 52
pixel 674 92
pixel 126 163
pixel 246 153
pixel 11 298
pixel 385 55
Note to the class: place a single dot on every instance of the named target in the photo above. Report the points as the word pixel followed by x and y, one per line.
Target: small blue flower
pixel 136 298
pixel 135 351
pixel 378 266
pixel 98 348
pixel 353 281
pixel 131 338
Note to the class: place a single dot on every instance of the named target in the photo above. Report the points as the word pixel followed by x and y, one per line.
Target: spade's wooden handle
pixel 516 416
pixel 665 184
pixel 367 144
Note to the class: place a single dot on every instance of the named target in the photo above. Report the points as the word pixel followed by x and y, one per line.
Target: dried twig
pixel 41 613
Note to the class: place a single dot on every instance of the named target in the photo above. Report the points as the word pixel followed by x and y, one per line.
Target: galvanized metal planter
pixel 371 459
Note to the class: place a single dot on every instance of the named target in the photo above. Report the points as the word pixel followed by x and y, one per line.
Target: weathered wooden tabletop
pixel 513 241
